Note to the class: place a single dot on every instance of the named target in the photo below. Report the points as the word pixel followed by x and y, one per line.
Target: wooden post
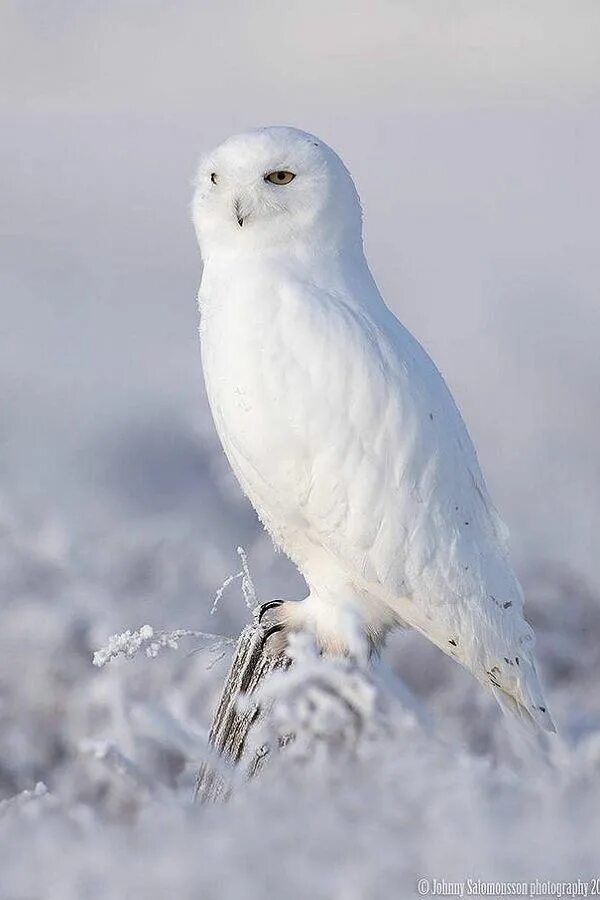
pixel 252 662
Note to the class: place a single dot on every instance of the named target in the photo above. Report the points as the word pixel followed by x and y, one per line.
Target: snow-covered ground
pixel 384 783
pixel 473 136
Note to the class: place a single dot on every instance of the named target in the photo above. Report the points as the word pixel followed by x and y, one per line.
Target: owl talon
pixel 272 630
pixel 264 607
pixel 270 621
pixel 274 640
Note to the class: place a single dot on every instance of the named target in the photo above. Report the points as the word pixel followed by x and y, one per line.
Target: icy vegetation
pixel 394 772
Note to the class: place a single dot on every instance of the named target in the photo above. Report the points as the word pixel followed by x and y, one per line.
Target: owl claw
pixel 273 630
pixel 264 607
pixel 270 622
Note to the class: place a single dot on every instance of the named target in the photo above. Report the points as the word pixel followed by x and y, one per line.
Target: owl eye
pixel 213 177
pixel 280 177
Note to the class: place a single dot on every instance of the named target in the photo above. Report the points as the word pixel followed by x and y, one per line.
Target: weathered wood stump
pixel 255 656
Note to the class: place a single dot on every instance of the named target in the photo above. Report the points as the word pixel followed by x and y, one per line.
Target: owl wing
pixel 393 487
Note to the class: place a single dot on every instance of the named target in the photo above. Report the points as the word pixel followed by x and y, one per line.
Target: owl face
pixel 274 189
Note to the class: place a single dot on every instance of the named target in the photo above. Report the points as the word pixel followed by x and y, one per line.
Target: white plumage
pixel 338 426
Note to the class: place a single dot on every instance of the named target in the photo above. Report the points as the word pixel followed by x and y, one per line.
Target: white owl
pixel 338 426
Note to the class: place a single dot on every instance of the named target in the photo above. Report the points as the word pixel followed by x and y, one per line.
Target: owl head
pixel 275 190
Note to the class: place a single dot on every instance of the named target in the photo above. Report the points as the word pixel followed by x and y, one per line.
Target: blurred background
pixel 472 130
pixel 473 133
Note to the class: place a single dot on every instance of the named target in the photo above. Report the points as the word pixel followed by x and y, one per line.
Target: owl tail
pixel 518 692
pixel 517 689
pixel 534 718
pixel 531 732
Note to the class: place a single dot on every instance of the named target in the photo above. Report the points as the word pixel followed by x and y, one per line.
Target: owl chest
pixel 252 378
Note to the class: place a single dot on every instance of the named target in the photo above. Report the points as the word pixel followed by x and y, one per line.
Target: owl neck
pixel 322 250
pixel 332 269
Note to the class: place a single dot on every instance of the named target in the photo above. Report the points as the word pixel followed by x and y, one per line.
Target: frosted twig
pixel 217 659
pixel 248 589
pixel 129 643
pixel 221 590
pixel 219 643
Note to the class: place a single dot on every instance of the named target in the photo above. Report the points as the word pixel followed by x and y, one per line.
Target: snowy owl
pixel 338 426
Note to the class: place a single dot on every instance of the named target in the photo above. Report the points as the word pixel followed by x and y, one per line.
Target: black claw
pixel 272 630
pixel 269 605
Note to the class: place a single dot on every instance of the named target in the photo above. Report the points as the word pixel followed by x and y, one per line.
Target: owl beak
pixel 238 213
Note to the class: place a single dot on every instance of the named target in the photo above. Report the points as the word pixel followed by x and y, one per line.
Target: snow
pixel 379 785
